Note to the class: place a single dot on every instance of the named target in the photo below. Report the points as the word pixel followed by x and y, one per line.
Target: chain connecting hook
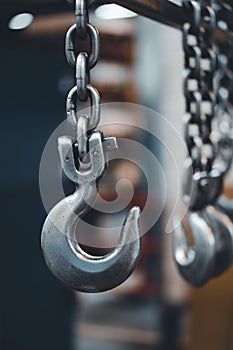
pixel 63 255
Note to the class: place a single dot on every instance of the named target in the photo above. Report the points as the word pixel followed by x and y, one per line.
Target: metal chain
pixel 207 88
pixel 83 62
pixel 199 73
pixel 224 89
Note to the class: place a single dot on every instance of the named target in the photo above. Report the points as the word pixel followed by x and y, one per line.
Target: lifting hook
pixel 223 235
pixel 63 255
pixel 213 251
pixel 194 263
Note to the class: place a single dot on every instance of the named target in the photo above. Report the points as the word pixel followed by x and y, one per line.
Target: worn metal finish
pixel 71 106
pixel 201 188
pixel 82 139
pixel 82 18
pixel 212 253
pixel 223 234
pixel 70 45
pixel 207 94
pixel 200 96
pixel 63 255
pixel 195 263
pixel 82 78
pixel 224 134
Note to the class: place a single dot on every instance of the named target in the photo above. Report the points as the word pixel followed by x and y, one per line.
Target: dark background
pixel 35 312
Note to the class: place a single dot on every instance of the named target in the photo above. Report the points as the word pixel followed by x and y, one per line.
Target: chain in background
pixel 199 74
pixel 224 86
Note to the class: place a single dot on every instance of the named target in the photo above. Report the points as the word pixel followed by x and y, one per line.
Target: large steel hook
pixel 63 255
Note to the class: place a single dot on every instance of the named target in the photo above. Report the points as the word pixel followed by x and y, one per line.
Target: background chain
pixel 199 73
pixel 224 87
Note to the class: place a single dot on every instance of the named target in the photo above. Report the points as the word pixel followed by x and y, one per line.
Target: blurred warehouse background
pixel 141 63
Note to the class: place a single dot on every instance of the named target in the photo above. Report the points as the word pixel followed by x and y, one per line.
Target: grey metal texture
pixel 212 253
pixel 196 263
pixel 63 255
pixel 71 107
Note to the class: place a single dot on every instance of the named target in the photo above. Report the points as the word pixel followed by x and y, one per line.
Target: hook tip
pixel 131 227
pixel 134 214
pixel 135 211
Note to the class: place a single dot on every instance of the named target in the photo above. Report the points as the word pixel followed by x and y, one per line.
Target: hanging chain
pixel 208 129
pixel 83 62
pixel 200 66
pixel 224 88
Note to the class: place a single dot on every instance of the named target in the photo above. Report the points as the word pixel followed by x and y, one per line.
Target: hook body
pixel 223 235
pixel 63 255
pixel 77 269
pixel 212 253
pixel 195 263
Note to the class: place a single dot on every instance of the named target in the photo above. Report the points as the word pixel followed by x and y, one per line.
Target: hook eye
pixel 195 263
pixel 223 233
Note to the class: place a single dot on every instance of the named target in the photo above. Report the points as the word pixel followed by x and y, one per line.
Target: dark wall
pixel 35 308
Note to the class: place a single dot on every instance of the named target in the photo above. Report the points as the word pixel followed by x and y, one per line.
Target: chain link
pixel 94 119
pixel 83 62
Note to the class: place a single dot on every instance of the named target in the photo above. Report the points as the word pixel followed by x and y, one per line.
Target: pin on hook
pixel 63 255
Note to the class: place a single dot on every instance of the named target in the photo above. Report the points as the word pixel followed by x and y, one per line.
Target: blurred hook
pixel 223 235
pixel 63 255
pixel 194 263
pixel 212 252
